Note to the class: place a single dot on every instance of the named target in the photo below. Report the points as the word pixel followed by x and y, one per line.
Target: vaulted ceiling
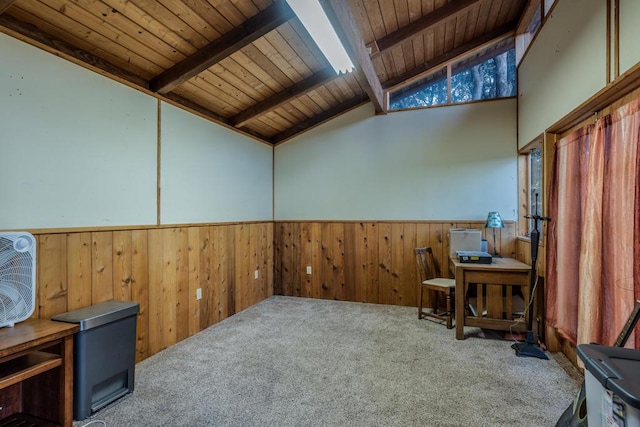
pixel 250 65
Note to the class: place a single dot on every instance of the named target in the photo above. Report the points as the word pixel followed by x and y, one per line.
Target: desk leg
pixel 460 309
pixel 66 382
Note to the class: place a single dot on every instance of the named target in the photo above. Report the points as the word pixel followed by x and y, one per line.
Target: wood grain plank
pixel 194 259
pixel 397 257
pixel 338 256
pixel 140 285
pixel 102 274
pixel 385 289
pixel 269 259
pixel 349 249
pixel 79 261
pixel 122 265
pixel 327 290
pixel 52 275
pixel 156 284
pixel 183 298
pixel 229 261
pixel 169 287
pixel 340 16
pixel 306 259
pixel 242 35
pixel 408 273
pixel 253 265
pixel 216 294
pixel 373 282
pixel 206 307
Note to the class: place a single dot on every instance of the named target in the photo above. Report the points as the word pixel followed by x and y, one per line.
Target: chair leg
pixel 449 311
pixel 420 303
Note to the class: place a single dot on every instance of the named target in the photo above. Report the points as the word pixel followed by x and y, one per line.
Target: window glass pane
pixel 547 6
pixel 426 93
pixel 495 77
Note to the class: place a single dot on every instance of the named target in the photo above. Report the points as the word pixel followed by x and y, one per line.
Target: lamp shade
pixel 494 221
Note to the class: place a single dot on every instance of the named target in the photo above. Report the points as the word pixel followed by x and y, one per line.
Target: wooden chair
pixel 429 279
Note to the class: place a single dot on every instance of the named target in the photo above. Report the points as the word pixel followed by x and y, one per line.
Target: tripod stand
pixel 529 348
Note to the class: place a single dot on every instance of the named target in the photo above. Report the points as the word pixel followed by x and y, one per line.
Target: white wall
pixel 629 34
pixel 212 174
pixel 80 150
pixel 76 149
pixel 564 67
pixel 456 162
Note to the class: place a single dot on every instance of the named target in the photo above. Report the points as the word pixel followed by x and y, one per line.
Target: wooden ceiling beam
pixel 489 38
pixel 316 120
pixel 420 26
pixel 247 32
pixel 31 34
pixel 531 8
pixel 310 83
pixel 5 4
pixel 343 22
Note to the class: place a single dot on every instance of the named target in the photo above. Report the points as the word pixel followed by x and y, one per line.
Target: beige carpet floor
pixel 303 362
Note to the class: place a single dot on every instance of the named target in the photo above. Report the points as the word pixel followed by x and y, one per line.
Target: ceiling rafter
pixel 247 32
pixel 310 83
pixel 489 38
pixel 6 4
pixel 31 34
pixel 201 111
pixel 343 22
pixel 531 8
pixel 419 26
pixel 320 118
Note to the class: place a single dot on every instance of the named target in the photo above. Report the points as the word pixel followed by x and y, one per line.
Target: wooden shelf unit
pixel 36 373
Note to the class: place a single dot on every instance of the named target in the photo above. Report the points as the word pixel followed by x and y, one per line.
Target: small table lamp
pixel 494 221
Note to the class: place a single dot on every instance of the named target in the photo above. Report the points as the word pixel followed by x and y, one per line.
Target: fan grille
pixel 17 277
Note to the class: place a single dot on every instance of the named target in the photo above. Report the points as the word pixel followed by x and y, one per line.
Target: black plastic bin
pixel 104 354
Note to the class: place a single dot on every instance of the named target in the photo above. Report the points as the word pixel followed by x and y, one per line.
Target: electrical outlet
pixel 199 293
pixel 255 274
pixel 308 269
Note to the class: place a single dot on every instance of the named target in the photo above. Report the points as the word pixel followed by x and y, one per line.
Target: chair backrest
pixel 426 265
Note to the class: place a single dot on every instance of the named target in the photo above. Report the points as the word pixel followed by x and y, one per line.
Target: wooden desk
pixel 494 286
pixel 36 372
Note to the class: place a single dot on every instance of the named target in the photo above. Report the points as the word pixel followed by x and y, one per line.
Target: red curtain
pixel 594 234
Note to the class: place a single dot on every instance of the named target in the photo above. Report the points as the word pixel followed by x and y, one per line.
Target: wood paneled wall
pixel 365 261
pixel 160 268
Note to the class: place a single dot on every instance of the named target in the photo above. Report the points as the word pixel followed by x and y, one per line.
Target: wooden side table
pixel 36 373
pixel 499 279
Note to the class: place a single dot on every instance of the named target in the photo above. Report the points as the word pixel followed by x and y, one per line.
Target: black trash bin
pixel 103 354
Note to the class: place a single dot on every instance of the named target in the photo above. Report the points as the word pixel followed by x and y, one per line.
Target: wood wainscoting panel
pixel 370 261
pixel 161 268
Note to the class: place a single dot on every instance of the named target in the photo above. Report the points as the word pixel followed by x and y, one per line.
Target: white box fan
pixel 17 277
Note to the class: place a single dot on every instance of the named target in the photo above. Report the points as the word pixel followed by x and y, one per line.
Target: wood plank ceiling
pixel 250 65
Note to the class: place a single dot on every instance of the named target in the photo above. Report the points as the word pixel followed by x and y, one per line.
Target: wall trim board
pixel 451 104
pixel 65 230
pixel 391 221
pixel 608 95
pixel 532 41
pixel 159 165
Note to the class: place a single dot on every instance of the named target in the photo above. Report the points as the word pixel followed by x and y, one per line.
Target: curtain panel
pixel 594 234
